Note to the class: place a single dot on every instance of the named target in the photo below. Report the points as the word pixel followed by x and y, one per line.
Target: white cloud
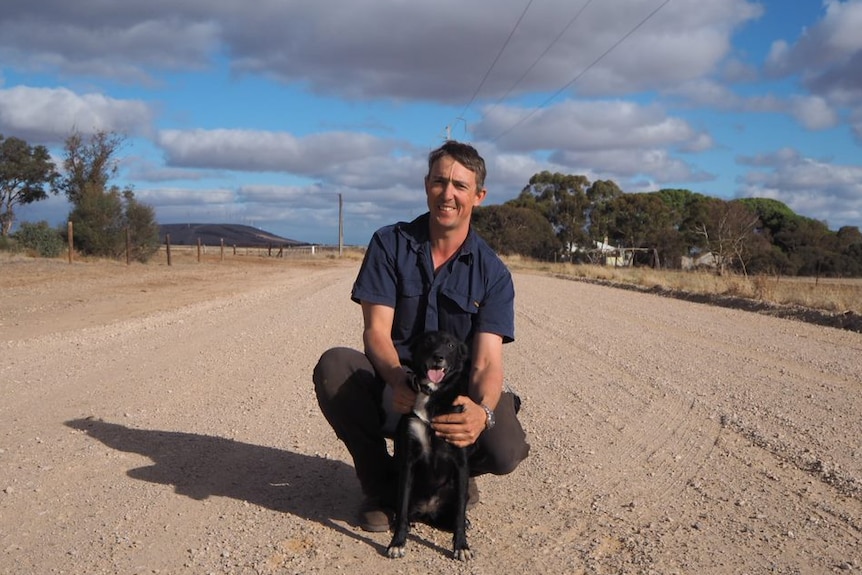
pixel 185 197
pixel 586 126
pixel 575 111
pixel 813 112
pixel 283 40
pixel 50 114
pixel 827 56
pixel 808 186
pixel 256 150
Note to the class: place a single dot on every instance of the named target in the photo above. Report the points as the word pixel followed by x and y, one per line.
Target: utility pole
pixel 340 225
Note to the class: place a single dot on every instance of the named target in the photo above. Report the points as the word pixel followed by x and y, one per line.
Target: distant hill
pixel 213 234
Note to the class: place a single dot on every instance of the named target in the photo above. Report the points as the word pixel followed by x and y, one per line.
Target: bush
pixel 8 244
pixel 41 238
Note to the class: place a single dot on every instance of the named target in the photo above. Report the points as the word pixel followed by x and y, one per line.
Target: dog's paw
pixel 395 551
pixel 464 554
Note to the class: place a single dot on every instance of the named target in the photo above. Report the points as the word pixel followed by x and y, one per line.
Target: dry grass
pixel 826 294
pixel 254 256
pixel 831 295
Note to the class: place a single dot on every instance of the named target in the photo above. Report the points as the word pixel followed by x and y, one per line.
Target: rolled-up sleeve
pixel 376 282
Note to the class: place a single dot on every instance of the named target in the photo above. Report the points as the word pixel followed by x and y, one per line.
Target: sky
pixel 267 112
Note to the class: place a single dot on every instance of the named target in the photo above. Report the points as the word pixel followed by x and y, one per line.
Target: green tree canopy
pixel 562 200
pixel 513 230
pixel 27 175
pixel 102 214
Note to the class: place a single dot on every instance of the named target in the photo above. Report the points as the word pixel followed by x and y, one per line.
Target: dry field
pixel 161 419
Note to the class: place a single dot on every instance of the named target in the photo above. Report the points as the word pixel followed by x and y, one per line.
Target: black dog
pixel 432 474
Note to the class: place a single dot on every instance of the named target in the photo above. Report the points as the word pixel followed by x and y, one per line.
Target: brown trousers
pixel 350 396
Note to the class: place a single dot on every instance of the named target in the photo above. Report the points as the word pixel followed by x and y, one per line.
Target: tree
pixel 27 175
pixel 641 221
pixel 41 238
pixel 140 220
pixel 90 163
pixel 563 201
pixel 774 215
pixel 688 209
pixel 102 213
pixel 98 222
pixel 727 231
pixel 806 242
pixel 599 194
pixel 512 230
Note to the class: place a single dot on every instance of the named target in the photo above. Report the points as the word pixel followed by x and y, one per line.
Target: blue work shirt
pixel 471 293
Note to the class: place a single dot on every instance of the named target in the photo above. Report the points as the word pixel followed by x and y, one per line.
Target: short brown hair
pixel 464 154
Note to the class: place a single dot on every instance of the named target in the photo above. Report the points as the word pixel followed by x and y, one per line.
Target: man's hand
pixel 403 396
pixel 464 428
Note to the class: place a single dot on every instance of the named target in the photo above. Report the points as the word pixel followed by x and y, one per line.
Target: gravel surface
pixel 160 419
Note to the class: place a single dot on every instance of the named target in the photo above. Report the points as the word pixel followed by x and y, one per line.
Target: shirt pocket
pixel 410 308
pixel 458 310
pixel 464 303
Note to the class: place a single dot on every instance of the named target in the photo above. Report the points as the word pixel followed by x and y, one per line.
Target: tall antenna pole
pixel 340 226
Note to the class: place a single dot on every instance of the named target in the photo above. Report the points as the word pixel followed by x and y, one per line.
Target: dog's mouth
pixel 436 375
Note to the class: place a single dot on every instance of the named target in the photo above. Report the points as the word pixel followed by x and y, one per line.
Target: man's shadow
pixel 199 466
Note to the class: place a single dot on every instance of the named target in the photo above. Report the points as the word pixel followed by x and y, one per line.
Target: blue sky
pixel 263 112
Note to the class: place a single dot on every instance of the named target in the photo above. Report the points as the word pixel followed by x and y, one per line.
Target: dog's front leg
pixel 402 511
pixel 460 549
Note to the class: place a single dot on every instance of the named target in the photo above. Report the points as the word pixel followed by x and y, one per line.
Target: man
pixel 433 273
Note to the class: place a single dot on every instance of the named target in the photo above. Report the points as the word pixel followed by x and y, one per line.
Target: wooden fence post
pixel 70 231
pixel 199 250
pixel 168 247
pixel 222 249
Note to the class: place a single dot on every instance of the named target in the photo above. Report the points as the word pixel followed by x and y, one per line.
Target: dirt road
pixel 162 420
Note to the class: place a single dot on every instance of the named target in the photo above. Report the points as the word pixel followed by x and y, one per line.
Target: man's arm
pixel 486 386
pixel 377 337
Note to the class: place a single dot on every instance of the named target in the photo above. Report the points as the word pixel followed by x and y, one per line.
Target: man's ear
pixel 480 195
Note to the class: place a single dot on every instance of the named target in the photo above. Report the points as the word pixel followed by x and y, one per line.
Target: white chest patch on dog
pixel 421 428
pixel 420 407
pixel 422 433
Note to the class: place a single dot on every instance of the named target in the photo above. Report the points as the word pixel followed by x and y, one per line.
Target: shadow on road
pixel 199 466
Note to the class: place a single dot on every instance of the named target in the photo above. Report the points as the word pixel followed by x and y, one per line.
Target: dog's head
pixel 438 359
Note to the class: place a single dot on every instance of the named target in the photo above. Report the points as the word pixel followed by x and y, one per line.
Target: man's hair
pixel 464 154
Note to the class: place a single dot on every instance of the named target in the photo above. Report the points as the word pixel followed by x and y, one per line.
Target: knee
pixel 505 461
pixel 331 371
pixel 338 366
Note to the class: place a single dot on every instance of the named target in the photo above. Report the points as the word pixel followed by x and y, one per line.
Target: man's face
pixel 452 194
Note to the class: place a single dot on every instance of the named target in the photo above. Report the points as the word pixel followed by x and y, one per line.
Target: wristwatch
pixel 489 414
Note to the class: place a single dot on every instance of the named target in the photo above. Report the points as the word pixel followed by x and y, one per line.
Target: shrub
pixel 41 238
pixel 8 244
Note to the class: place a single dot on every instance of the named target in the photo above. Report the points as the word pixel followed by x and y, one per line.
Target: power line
pixel 494 63
pixel 582 72
pixel 543 54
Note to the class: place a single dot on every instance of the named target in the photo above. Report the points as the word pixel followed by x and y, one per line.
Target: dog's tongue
pixel 436 375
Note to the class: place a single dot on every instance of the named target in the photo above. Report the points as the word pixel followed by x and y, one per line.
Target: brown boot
pixel 374 516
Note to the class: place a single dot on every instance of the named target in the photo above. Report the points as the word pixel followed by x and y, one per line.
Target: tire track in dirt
pixel 652 385
pixel 649 428
pixel 662 434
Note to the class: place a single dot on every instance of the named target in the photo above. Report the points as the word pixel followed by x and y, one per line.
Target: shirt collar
pixel 416 233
